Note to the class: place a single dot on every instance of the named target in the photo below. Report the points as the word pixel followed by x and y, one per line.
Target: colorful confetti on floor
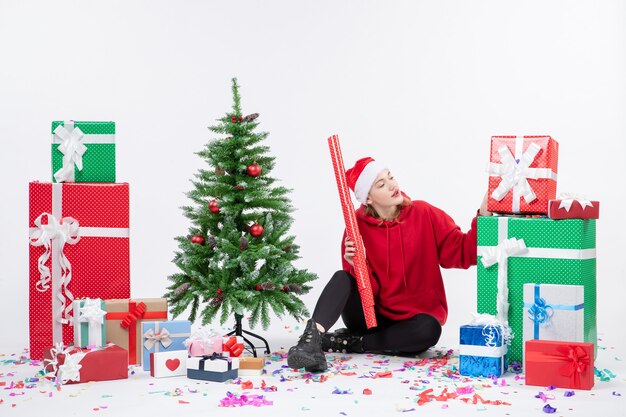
pixel 354 385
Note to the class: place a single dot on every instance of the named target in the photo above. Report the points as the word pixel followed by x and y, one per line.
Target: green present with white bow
pixel 513 251
pixel 89 323
pixel 83 151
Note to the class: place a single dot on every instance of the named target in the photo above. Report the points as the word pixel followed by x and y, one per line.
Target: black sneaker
pixel 308 352
pixel 342 341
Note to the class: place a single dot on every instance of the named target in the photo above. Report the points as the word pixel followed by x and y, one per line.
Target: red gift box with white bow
pixel 72 365
pixel 522 174
pixel 559 364
pixel 573 206
pixel 79 248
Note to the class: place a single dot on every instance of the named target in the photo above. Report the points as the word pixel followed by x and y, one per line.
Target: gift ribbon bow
pixel 540 312
pixel 577 360
pixel 92 314
pixel 493 328
pixel 152 338
pixel 515 172
pixel 567 199
pixel 64 231
pixel 500 254
pixel 72 148
pixel 215 356
pixel 134 315
pixel 231 346
pixel 70 369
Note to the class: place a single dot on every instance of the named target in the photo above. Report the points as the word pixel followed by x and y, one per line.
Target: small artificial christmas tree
pixel 238 256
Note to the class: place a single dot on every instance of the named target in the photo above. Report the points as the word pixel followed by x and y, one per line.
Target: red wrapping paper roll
pixel 352 230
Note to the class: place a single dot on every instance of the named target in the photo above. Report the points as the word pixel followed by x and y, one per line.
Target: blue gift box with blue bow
pixel 554 312
pixel 483 351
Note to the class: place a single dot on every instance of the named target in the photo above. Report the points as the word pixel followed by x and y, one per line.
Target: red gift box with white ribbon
pixel 559 364
pixel 72 365
pixel 573 206
pixel 522 173
pixel 79 248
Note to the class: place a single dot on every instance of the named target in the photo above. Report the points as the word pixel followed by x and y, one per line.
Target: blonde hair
pixel 371 211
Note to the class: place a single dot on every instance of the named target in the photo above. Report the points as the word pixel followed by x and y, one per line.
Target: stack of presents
pixel 82 321
pixel 536 272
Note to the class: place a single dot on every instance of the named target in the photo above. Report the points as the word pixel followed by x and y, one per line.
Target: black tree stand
pixel 239 331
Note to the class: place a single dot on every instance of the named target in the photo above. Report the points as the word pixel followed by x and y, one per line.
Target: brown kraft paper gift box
pixel 124 318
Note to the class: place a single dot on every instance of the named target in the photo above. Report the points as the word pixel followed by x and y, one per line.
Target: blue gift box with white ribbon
pixel 163 336
pixel 482 351
pixel 554 312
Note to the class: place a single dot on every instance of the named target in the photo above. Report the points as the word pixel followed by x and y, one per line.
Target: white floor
pixel 334 393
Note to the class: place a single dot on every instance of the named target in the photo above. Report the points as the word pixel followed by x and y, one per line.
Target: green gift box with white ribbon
pixel 83 151
pixel 89 323
pixel 513 251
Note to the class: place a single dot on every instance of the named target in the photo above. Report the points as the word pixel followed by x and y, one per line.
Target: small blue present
pixel 482 351
pixel 163 336
pixel 215 367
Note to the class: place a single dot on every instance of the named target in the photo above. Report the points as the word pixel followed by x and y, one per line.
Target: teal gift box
pixel 83 151
pixel 553 252
pixel 163 336
pixel 89 322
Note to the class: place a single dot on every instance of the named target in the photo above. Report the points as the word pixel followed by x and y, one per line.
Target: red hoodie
pixel 404 257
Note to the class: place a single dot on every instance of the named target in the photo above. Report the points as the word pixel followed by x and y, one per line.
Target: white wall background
pixel 421 85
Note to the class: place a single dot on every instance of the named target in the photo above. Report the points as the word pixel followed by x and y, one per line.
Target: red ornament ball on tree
pixel 197 240
pixel 285 288
pixel 258 288
pixel 256 230
pixel 233 119
pixel 214 207
pixel 254 170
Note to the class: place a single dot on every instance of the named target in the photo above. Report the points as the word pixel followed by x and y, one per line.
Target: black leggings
pixel 341 297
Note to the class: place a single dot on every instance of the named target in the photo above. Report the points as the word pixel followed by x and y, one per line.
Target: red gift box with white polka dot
pixel 79 248
pixel 522 174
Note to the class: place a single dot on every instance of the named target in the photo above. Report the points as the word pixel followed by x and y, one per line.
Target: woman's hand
pixel 348 255
pixel 483 206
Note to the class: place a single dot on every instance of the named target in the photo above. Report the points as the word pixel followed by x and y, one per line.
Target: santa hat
pixel 361 177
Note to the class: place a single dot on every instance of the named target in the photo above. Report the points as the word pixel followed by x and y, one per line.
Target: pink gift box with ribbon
pixel 203 342
pixel 79 248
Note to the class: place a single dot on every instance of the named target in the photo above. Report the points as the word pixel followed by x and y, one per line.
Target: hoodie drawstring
pixel 401 253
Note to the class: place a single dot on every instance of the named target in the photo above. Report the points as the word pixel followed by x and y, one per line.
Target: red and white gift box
pixel 72 365
pixel 79 248
pixel 522 173
pixel 166 364
pixel 573 206
pixel 560 364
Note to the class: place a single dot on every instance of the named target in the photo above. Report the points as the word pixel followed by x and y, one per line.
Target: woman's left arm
pixel 456 249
